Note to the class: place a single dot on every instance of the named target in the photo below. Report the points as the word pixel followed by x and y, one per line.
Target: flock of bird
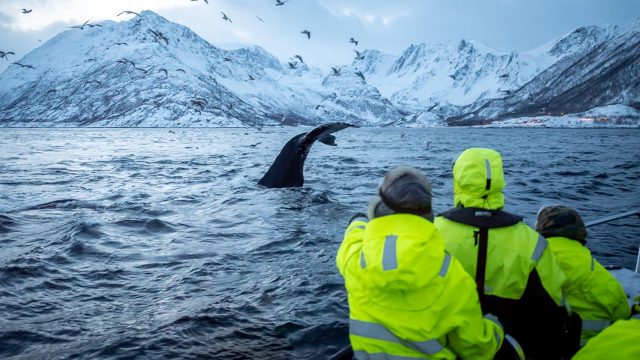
pixel 297 59
pixel 160 37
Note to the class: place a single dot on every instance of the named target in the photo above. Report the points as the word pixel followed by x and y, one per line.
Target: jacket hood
pixel 478 179
pixel 401 271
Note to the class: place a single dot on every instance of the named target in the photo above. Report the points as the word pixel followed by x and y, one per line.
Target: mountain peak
pixel 149 71
pixel 582 38
pixel 151 15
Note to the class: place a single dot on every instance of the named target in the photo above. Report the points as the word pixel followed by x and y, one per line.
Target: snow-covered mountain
pixel 151 72
pixel 604 74
pixel 439 81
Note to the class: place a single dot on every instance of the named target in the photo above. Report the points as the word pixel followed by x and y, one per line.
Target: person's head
pixel 478 179
pixel 404 190
pixel 558 220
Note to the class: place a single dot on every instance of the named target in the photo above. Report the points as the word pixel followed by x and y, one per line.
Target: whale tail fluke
pixel 328 140
pixel 287 169
pixel 323 132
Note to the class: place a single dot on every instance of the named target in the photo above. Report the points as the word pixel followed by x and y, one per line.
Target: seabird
pixel 259 18
pixel 225 17
pixel 23 65
pixel 121 43
pixel 336 71
pixel 141 69
pixel 81 27
pixel 26 11
pixel 125 61
pixel 226 59
pixel 166 73
pixel 358 56
pixel 353 41
pixel 306 32
pixel 199 102
pixel 181 70
pixel 129 12
pixel 359 73
pixel 4 54
pixel 299 58
pixel 159 36
pixel 293 65
pixel 250 77
pixel 280 2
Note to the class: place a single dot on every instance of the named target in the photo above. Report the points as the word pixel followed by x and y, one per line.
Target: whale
pixel 287 170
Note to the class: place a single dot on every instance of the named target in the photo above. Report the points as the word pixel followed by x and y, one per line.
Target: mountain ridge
pixel 150 72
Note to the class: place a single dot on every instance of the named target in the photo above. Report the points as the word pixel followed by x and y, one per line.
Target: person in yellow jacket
pixel 590 289
pixel 407 297
pixel 517 276
pixel 619 341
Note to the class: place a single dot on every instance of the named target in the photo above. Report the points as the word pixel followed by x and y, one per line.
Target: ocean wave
pixel 166 252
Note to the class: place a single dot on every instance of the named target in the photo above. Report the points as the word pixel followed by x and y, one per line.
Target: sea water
pixel 157 243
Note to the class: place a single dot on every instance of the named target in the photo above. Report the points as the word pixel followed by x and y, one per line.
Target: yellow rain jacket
pixel 590 289
pixel 620 341
pixel 407 297
pixel 513 252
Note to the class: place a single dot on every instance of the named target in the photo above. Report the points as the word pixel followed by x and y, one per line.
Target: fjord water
pixel 157 243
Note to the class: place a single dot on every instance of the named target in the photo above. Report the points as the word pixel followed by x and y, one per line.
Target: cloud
pixel 47 12
pixel 371 12
pixel 243 35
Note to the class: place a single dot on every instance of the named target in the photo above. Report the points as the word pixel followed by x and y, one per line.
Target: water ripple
pixel 139 243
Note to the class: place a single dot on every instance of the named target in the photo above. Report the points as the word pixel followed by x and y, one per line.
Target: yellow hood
pixel 478 179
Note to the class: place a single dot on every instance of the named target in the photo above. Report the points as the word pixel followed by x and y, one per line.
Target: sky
pixel 387 25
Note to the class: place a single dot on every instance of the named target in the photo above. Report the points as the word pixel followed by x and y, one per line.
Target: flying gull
pixel 24 65
pixel 129 12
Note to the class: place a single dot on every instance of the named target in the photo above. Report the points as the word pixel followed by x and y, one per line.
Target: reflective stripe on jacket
pixel 512 253
pixel 407 297
pixel 590 289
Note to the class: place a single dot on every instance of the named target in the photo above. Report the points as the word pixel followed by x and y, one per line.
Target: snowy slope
pixel 437 81
pixel 607 73
pixel 157 73
pixel 150 72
